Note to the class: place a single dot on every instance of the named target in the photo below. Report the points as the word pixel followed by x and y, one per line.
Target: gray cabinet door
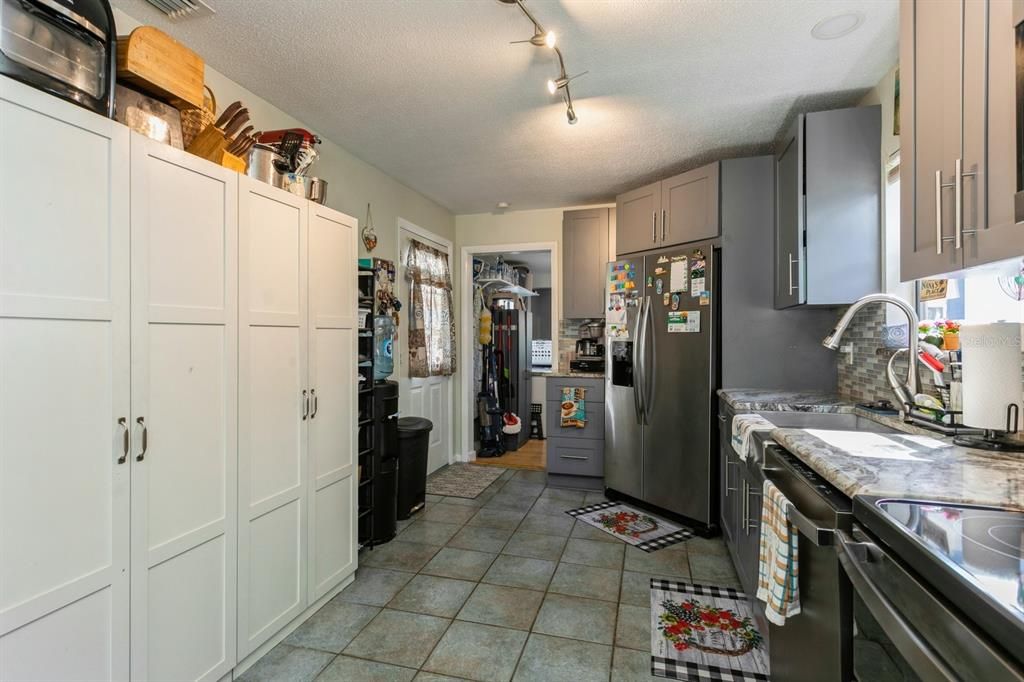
pixel 930 130
pixel 638 219
pixel 1000 223
pixel 789 219
pixel 689 206
pixel 584 260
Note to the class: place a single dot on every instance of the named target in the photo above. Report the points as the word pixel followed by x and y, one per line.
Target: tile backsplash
pixel 873 344
pixel 568 334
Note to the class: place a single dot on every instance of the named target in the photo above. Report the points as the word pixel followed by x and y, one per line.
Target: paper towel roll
pixel 991 372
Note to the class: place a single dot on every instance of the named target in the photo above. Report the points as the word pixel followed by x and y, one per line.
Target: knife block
pixel 211 144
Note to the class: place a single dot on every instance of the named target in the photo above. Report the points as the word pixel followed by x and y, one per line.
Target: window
pixel 432 319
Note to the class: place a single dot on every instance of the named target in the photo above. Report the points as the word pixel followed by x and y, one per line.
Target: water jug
pixel 383 347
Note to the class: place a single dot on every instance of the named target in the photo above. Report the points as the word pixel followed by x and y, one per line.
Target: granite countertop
pixel 936 470
pixel 570 375
pixel 768 400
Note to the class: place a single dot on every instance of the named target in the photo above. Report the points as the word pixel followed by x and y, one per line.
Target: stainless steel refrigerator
pixel 661 330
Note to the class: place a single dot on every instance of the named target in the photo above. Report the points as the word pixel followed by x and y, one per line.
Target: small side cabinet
pixel 574 451
pixel 828 208
pixel 584 258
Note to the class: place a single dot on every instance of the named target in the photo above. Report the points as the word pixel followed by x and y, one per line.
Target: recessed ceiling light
pixel 502 204
pixel 837 26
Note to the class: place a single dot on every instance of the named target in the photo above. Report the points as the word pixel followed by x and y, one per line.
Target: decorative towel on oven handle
pixel 778 583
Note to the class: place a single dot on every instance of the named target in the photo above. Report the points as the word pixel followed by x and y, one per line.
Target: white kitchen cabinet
pixel 273 408
pixel 184 349
pixel 64 390
pixel 332 387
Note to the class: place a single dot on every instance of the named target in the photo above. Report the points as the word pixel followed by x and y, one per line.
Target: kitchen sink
pixel 828 421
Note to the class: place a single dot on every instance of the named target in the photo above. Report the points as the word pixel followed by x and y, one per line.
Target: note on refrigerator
pixel 678 275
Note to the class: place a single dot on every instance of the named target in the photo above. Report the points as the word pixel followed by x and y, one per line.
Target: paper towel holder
pixel 997 441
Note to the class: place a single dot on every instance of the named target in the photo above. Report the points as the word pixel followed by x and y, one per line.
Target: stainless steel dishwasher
pixel 816 644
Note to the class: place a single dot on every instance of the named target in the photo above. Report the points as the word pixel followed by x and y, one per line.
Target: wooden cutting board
pixel 152 61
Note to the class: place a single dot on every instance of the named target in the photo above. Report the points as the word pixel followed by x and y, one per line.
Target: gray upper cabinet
pixel 681 209
pixel 584 260
pixel 959 135
pixel 637 216
pixel 689 206
pixel 828 174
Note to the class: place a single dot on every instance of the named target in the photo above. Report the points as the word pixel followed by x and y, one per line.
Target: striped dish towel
pixel 743 426
pixel 778 582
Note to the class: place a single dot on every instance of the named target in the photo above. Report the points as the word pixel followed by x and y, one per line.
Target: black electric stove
pixel 972 556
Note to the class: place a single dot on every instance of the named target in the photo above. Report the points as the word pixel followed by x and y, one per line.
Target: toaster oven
pixel 64 47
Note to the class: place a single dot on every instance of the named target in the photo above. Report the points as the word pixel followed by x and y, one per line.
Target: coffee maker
pixel 589 356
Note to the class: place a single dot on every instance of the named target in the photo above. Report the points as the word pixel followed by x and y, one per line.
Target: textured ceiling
pixel 431 92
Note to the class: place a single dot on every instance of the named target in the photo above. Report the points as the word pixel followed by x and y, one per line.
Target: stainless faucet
pixel 905 391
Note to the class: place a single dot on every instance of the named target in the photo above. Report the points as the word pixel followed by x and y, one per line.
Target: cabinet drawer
pixel 594 428
pixel 595 388
pixel 577 457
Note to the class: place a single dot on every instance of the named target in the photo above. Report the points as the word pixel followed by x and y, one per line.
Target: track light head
pixel 556 84
pixel 570 115
pixel 550 38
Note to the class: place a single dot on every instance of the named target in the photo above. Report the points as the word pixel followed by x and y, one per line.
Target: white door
pixel 184 394
pixel 432 397
pixel 273 408
pixel 64 390
pixel 332 386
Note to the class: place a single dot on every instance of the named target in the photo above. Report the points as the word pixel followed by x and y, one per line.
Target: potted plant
pixel 950 335
pixel 928 333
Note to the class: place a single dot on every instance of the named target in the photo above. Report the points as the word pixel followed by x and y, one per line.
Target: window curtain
pixel 432 322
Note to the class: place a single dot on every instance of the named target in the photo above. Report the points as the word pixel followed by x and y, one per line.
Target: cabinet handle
pixel 573 457
pixel 939 186
pixel 654 227
pixel 305 404
pixel 664 221
pixel 745 503
pixel 312 392
pixel 727 488
pixel 141 421
pixel 792 262
pixel 961 230
pixel 123 423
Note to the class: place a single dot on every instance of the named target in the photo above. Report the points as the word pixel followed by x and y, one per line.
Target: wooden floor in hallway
pixel 532 456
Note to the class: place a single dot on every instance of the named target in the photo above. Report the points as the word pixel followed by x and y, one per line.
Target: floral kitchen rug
pixel 462 480
pixel 701 632
pixel 641 529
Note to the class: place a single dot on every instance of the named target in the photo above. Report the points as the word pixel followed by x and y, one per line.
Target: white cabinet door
pixel 333 385
pixel 273 410
pixel 64 387
pixel 184 393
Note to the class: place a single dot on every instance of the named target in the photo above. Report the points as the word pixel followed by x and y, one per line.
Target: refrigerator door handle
pixel 639 373
pixel 650 373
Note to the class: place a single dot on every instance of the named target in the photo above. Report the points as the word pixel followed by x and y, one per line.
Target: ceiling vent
pixel 183 9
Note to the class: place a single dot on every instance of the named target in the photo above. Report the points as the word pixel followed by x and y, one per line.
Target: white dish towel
pixel 778 581
pixel 743 426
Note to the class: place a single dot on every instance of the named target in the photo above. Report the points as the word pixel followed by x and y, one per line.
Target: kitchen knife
pixel 227 114
pixel 237 122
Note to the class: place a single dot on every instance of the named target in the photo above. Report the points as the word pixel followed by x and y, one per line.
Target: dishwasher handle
pixel 820 536
pixel 917 653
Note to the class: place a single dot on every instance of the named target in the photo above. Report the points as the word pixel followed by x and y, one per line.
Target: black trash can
pixel 413 444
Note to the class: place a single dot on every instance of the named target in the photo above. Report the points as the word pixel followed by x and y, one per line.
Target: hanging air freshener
pixel 367 233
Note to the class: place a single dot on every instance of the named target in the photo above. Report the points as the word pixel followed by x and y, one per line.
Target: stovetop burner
pixel 985 545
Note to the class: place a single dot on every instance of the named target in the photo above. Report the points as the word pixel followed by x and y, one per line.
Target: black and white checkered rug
pixel 704 632
pixel 637 527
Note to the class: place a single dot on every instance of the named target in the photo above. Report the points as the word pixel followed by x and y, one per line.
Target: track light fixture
pixel 542 38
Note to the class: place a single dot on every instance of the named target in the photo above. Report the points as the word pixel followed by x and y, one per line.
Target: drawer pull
pixel 573 457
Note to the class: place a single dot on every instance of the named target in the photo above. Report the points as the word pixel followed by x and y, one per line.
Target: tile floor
pixel 502 587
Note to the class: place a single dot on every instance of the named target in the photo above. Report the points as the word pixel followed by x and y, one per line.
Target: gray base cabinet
pixel 573 451
pixel 740 495
pixel 960 149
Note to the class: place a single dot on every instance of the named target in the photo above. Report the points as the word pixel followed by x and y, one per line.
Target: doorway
pixel 429 397
pixel 518 286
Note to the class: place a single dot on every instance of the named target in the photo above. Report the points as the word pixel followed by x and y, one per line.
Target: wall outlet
pixel 847 350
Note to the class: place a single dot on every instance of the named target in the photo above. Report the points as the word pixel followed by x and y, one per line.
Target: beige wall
pixel 351 182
